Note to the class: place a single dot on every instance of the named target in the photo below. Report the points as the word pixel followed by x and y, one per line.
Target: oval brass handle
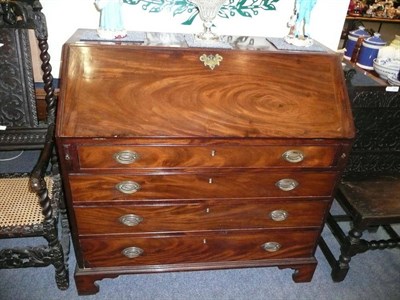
pixel 126 157
pixel 287 184
pixel 278 215
pixel 131 220
pixel 128 187
pixel 132 252
pixel 293 156
pixel 271 246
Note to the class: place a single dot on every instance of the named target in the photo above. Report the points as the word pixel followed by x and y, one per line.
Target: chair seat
pixel 14 212
pixel 373 199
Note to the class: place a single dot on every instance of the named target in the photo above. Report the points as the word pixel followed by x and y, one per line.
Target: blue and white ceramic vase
pixel 369 51
pixel 352 40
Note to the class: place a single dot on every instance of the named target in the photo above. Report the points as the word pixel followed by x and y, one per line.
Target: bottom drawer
pixel 200 247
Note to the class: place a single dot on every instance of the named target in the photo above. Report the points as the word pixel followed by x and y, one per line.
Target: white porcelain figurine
pixel 300 36
pixel 111 23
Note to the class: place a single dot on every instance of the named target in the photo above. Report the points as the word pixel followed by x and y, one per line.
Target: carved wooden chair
pixel 30 203
pixel 369 191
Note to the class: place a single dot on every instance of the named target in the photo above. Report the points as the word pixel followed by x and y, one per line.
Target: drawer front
pixel 204 215
pixel 87 188
pixel 129 157
pixel 207 247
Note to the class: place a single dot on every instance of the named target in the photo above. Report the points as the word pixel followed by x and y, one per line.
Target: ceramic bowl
pixel 386 66
pixel 392 80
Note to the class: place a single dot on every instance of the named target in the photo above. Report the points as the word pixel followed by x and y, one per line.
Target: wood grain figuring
pixel 198 186
pixel 141 103
pixel 200 215
pixel 203 151
pixel 101 157
pixel 203 247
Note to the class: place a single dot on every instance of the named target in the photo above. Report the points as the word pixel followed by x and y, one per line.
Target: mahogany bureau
pixel 186 158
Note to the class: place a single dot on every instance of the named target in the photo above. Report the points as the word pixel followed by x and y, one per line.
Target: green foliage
pixel 244 8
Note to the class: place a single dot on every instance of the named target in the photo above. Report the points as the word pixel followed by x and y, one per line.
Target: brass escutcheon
pixel 211 60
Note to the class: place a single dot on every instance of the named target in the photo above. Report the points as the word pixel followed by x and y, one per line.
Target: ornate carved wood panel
pixel 17 94
pixel 376 149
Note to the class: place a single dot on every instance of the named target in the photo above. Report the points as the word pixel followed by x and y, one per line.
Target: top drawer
pixel 127 157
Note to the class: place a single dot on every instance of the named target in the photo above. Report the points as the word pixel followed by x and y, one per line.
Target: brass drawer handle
pixel 131 220
pixel 126 157
pixel 293 156
pixel 132 252
pixel 287 184
pixel 271 246
pixel 278 215
pixel 128 187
